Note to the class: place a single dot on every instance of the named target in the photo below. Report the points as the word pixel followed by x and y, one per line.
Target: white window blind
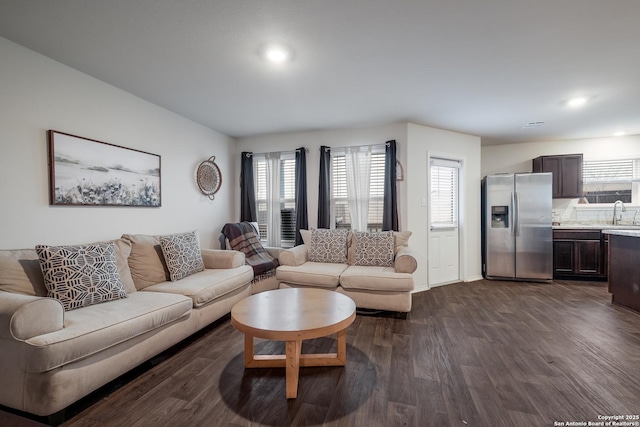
pixel 284 200
pixel 605 181
pixel 339 191
pixel 596 171
pixel 260 184
pixel 288 200
pixel 444 192
pixel 376 191
pixel 339 201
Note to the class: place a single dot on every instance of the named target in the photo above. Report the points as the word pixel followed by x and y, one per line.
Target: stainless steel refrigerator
pixel 516 227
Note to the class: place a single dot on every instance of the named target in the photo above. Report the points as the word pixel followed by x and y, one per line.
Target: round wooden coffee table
pixel 293 315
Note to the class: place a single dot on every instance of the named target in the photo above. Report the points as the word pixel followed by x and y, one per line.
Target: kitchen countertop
pixel 628 232
pixel 579 226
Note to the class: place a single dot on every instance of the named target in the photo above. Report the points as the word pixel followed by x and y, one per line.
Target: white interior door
pixel 444 259
pixel 444 251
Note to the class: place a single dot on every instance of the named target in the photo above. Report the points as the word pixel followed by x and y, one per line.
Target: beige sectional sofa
pixel 50 357
pixel 370 286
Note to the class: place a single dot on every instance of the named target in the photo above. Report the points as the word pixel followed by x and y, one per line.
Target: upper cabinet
pixel 567 174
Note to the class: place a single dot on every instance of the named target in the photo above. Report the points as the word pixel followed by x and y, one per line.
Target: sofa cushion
pixel 328 246
pixel 401 239
pixel 81 275
pixel 182 254
pixel 92 329
pixel 123 250
pixel 284 285
pixel 207 285
pixel 306 237
pixel 375 249
pixel 20 272
pixel 376 279
pixel 146 261
pixel 312 273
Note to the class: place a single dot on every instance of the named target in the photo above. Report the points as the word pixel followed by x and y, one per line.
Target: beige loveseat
pixel 50 357
pixel 370 286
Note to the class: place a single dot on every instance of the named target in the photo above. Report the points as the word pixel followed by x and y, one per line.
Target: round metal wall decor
pixel 209 178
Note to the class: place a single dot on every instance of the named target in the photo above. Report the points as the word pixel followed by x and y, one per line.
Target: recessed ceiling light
pixel 620 133
pixel 276 54
pixel 577 102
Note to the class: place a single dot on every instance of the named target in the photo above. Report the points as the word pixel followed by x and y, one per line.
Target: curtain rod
pixel 306 150
pixel 386 144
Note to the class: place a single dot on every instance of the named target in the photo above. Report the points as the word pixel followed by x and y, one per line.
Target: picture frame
pixel 87 172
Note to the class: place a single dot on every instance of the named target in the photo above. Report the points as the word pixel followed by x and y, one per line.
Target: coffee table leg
pixel 293 368
pixel 248 350
pixel 292 358
pixel 342 346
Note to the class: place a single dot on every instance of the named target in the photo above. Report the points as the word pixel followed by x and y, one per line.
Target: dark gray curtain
pixel 390 204
pixel 247 191
pixel 302 218
pixel 324 188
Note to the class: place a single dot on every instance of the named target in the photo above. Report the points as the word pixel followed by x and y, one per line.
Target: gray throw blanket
pixel 242 237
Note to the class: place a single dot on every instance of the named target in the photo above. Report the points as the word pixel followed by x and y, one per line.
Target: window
pixel 605 181
pixel 341 196
pixel 444 192
pixel 274 180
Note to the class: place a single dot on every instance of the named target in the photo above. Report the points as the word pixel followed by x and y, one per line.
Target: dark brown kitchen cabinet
pixel 579 254
pixel 566 171
pixel 625 270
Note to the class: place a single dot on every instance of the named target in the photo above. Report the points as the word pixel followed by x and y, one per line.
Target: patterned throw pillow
pixel 374 248
pixel 182 254
pixel 81 275
pixel 328 245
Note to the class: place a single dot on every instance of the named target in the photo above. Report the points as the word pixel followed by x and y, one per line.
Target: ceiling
pixel 479 67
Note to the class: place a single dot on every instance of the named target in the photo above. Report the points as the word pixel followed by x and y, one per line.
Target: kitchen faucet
pixel 615 206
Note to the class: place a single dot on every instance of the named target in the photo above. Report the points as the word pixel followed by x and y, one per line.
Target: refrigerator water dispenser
pixel 499 216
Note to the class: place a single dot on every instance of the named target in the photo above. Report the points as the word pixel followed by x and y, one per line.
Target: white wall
pixel 332 138
pixel 518 157
pixel 413 143
pixel 40 94
pixel 423 142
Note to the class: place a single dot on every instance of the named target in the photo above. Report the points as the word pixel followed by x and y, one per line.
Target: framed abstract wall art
pixel 86 172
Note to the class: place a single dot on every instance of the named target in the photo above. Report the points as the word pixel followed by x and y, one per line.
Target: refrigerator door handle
pixel 512 230
pixel 517 214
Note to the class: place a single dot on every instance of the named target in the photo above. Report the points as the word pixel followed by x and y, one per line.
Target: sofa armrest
pixel 26 316
pixel 219 258
pixel 295 256
pixel 405 261
pixel 274 251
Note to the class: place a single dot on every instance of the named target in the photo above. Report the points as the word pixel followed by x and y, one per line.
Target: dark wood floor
pixel 479 354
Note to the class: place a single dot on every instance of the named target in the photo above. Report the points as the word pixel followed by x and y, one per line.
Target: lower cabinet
pixel 625 270
pixel 579 254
